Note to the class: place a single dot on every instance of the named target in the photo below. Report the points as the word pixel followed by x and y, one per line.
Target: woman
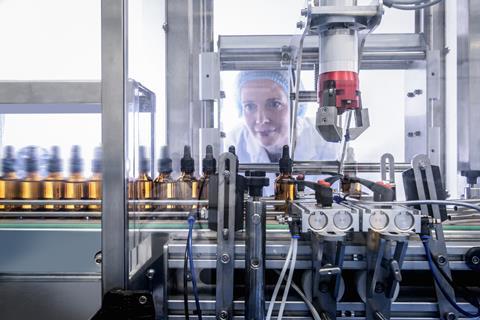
pixel 264 106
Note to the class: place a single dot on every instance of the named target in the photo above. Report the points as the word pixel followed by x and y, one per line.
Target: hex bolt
pixel 225 258
pixel 142 299
pixel 379 287
pixel 323 287
pixel 418 92
pixel 441 260
pixel 304 12
pixel 223 314
pixel 410 94
pixel 300 25
pixel 226 173
pixel 475 260
pixel 450 316
pixel 255 263
pixel 256 218
pixel 98 258
pixel 150 273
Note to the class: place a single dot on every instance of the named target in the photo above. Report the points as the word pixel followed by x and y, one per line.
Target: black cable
pixel 185 262
pixel 185 284
pixel 465 293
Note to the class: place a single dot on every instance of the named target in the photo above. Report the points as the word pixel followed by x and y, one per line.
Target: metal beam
pixel 114 86
pixel 381 51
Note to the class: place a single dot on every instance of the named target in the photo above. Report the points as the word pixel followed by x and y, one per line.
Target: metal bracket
pixel 226 236
pixel 437 242
pixel 383 271
pixel 391 167
pixel 326 124
pixel 209 76
pixel 327 261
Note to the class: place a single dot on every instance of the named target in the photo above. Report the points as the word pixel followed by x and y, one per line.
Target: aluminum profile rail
pixel 269 52
pixel 314 167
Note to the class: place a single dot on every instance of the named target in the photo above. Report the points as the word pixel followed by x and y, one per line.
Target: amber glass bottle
pixel 75 183
pixel 209 166
pixel 30 186
pixel 8 180
pixel 53 185
pixel 187 185
pixel 94 184
pixel 284 183
pixel 143 185
pixel 164 185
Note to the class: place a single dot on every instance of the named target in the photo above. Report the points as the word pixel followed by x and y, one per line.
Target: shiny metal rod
pixel 314 167
pixel 171 202
pixel 42 202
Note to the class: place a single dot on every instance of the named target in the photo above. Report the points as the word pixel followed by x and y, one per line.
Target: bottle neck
pixel 33 176
pixel 143 176
pixel 10 175
pixel 76 175
pixel 96 176
pixel 55 175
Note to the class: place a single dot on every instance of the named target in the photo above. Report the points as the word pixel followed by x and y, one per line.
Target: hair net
pixel 281 78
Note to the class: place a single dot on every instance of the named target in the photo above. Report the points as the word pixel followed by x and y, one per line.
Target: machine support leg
pixel 255 259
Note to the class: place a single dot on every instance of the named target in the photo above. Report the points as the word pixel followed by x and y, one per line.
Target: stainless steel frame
pixel 114 98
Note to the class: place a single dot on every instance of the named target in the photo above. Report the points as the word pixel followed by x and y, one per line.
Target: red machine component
pixel 347 89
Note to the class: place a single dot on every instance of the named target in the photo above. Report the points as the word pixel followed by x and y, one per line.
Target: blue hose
pixel 191 222
pixel 425 240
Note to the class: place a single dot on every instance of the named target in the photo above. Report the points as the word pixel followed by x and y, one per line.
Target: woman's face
pixel 266 111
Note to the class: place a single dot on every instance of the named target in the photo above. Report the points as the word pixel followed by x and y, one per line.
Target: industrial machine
pixel 338 239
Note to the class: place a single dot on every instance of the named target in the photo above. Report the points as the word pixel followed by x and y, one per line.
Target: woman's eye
pixel 276 104
pixel 250 107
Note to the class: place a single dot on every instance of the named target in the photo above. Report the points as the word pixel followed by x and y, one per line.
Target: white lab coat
pixel 310 146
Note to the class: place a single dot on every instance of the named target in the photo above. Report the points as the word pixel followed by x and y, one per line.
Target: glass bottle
pixel 164 185
pixel 143 184
pixel 8 180
pixel 75 183
pixel 187 185
pixel 284 183
pixel 53 185
pixel 30 186
pixel 94 183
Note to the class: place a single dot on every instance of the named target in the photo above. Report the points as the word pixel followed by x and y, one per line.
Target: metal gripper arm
pixel 383 271
pixel 328 255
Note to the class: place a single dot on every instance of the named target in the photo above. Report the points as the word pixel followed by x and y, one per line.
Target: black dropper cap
pixel 31 161
pixel 54 161
pixel 97 160
pixel 209 163
pixel 144 162
pixel 76 161
pixel 285 163
pixel 231 149
pixel 165 162
pixel 8 162
pixel 187 164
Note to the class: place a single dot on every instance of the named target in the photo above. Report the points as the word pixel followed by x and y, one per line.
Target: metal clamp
pixel 437 243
